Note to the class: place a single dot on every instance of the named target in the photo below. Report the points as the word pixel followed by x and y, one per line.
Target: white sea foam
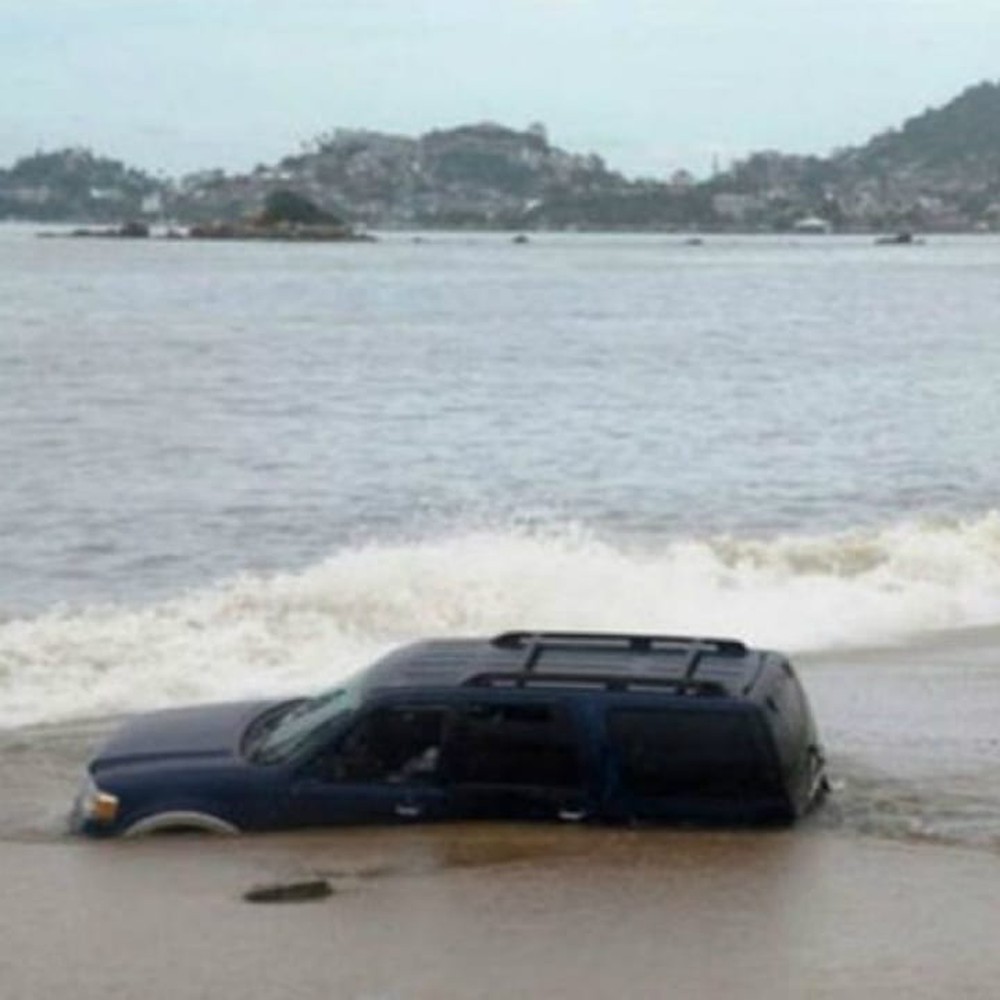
pixel 302 631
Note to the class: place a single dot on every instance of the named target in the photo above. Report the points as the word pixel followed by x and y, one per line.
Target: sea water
pixel 233 468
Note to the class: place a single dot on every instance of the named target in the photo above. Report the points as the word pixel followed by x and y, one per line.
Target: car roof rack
pixel 535 643
pixel 611 682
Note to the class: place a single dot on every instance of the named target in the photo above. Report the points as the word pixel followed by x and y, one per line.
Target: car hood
pixel 180 733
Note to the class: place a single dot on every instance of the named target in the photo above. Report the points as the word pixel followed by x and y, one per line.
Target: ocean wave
pixel 300 631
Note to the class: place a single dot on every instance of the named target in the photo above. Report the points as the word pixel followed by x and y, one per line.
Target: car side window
pixel 663 753
pixel 394 745
pixel 510 744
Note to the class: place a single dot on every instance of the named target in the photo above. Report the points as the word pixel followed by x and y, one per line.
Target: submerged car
pixel 573 726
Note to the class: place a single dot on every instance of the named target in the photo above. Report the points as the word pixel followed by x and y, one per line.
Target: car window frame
pixel 310 766
pixel 568 703
pixel 757 731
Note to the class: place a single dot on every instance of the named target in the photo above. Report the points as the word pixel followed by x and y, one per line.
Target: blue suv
pixel 525 725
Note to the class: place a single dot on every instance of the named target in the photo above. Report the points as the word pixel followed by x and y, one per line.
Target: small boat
pixel 900 239
pixel 813 225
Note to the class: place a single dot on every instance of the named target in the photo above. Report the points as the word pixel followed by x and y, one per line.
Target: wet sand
pixel 494 911
pixel 890 891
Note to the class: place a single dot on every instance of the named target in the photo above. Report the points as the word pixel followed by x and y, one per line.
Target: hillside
pixel 962 135
pixel 940 170
pixel 475 176
pixel 74 184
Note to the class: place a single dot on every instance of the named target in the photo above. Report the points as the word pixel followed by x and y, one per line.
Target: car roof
pixel 685 665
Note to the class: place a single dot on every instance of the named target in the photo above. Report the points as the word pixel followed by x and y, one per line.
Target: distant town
pixel 938 172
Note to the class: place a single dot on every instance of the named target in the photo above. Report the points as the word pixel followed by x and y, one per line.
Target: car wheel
pixel 179 821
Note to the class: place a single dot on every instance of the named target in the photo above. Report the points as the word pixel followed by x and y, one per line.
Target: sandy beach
pixel 889 890
pixel 502 911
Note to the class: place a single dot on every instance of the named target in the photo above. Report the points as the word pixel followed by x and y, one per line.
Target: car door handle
pixel 408 810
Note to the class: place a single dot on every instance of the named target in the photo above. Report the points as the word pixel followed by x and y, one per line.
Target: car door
pixel 384 768
pixel 513 757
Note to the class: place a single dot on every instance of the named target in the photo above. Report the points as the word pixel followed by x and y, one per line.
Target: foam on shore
pixel 302 631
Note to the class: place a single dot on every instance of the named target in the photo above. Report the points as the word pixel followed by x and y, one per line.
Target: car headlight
pixel 94 805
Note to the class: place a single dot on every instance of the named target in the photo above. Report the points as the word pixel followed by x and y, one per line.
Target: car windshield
pixel 304 721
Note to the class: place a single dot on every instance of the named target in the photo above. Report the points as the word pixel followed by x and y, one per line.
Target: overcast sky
pixel 179 85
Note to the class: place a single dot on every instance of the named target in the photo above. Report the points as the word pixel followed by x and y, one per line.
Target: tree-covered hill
pixel 963 133
pixel 72 184
pixel 940 170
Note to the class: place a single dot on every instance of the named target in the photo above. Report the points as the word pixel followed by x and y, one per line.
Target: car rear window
pixel 682 752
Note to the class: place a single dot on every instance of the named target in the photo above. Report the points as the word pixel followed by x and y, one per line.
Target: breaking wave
pixel 300 631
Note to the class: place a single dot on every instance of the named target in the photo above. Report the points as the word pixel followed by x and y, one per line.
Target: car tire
pixel 180 820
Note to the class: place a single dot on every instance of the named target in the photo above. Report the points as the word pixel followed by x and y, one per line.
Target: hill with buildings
pixel 76 185
pixel 475 176
pixel 939 171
